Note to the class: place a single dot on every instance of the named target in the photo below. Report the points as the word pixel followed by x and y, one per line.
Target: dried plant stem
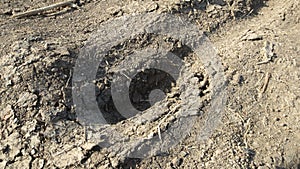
pixel 70 3
pixel 267 78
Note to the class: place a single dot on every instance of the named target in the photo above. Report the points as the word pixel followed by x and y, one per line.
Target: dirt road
pixel 257 42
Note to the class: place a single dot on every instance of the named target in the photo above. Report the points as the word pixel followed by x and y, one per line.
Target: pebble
pixel 29 127
pixel 152 7
pixel 262 167
pixel 252 36
pixel 9 83
pixel 63 51
pixel 27 99
pixel 7 11
pixel 35 141
pixel 38 163
pixel 33 151
pixel 237 79
pixel 114 162
pixel 88 145
pixel 213 8
pixel 150 135
pixel 183 154
pixel 115 11
pixel 7 113
pixel 284 125
pixel 218 152
pixel 17 10
pixel 65 158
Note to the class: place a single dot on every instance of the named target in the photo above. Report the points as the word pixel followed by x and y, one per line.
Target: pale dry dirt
pixel 261 123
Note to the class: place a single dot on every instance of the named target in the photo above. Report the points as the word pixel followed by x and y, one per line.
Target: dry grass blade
pixel 267 78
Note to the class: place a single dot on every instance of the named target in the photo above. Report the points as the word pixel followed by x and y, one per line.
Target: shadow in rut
pixel 130 163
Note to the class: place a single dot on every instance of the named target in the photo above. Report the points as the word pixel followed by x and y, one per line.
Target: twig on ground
pixel 248 124
pixel 64 150
pixel 267 78
pixel 233 9
pixel 70 75
pixel 158 126
pixel 158 131
pixel 126 76
pixel 70 3
pixel 63 11
pixel 265 61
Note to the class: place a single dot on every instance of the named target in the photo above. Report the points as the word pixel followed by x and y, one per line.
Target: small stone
pixel 7 113
pixel 33 151
pixel 55 69
pixel 284 125
pixel 213 8
pixel 183 154
pixel 218 152
pixel 237 79
pixel 27 99
pixel 194 80
pixel 9 83
pixel 35 141
pixel 50 45
pixel 17 79
pixel 38 163
pixel 115 11
pixel 262 167
pixel 251 36
pixel 29 127
pixel 114 162
pixel 7 11
pixel 17 10
pixel 150 135
pixel 13 145
pixel 88 145
pixel 15 120
pixel 172 118
pixel 63 51
pixel 152 7
pixel 177 161
pixel 70 157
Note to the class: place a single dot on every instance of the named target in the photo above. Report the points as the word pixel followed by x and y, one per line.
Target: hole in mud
pixel 145 83
pixel 148 86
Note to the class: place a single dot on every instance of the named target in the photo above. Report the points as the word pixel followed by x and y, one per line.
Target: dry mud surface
pixel 257 42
